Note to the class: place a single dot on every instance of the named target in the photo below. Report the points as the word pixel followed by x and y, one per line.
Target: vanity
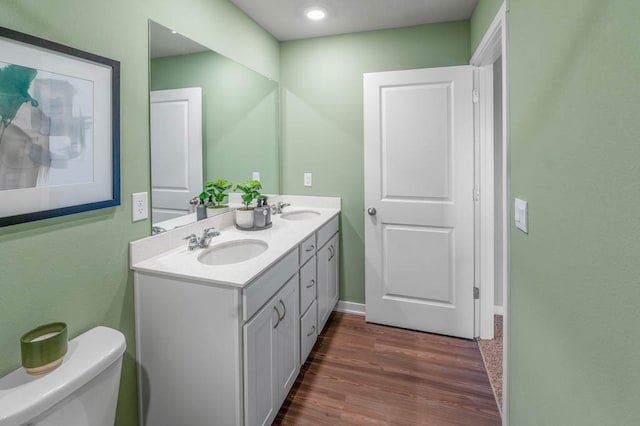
pixel 221 332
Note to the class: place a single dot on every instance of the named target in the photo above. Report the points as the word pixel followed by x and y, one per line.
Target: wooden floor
pixel 361 373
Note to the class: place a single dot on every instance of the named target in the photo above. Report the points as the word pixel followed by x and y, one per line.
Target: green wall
pixel 239 115
pixel 75 268
pixel 322 125
pixel 482 17
pixel 574 70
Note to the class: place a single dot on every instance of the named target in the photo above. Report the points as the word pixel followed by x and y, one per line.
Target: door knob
pixel 371 211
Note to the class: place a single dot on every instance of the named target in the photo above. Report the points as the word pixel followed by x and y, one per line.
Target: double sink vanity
pixel 223 328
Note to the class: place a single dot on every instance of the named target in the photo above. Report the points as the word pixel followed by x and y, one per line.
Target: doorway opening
pixel 491 61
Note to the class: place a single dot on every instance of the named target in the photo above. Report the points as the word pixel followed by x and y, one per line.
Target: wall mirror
pixel 210 118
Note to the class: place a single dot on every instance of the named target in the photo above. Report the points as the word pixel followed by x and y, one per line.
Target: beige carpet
pixel 491 351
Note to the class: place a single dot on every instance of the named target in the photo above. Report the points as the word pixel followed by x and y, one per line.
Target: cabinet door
pixel 260 376
pixel 333 272
pixel 327 270
pixel 322 270
pixel 287 338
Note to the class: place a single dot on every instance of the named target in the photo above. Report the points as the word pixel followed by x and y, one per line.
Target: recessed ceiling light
pixel 174 32
pixel 316 13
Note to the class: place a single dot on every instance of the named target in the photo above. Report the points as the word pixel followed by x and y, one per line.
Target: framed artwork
pixel 59 129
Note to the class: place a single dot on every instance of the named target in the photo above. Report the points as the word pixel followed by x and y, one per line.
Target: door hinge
pixel 476 293
pixel 476 96
pixel 476 194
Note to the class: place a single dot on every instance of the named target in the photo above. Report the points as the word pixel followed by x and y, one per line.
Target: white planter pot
pixel 244 218
pixel 216 211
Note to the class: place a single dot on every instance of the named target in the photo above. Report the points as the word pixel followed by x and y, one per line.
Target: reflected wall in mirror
pixel 239 123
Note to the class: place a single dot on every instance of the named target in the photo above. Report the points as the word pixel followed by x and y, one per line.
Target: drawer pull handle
pixel 285 310
pixel 278 315
pixel 310 248
pixel 313 282
pixel 313 330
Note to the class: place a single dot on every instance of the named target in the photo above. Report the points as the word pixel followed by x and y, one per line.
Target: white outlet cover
pixel 520 215
pixel 139 206
pixel 308 179
pixel 255 176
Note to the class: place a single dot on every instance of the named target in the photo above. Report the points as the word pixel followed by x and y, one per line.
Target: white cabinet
pixel 328 280
pixel 209 352
pixel 271 355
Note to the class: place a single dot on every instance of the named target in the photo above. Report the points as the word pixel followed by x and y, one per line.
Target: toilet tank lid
pixel 23 396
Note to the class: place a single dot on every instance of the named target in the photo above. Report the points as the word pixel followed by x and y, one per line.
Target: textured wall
pixel 75 268
pixel 321 82
pixel 575 145
pixel 574 71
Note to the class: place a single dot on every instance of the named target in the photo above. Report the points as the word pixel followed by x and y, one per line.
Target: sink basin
pixel 232 252
pixel 300 215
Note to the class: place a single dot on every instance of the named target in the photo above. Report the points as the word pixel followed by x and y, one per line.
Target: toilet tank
pixel 83 391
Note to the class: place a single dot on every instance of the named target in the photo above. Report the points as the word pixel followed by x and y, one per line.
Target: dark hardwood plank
pixel 360 373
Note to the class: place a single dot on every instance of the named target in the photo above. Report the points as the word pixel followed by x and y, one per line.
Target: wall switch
pixel 255 176
pixel 520 214
pixel 308 179
pixel 140 206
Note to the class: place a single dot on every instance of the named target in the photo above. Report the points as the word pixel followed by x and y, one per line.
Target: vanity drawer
pixel 307 248
pixel 267 284
pixel 307 284
pixel 327 231
pixel 308 331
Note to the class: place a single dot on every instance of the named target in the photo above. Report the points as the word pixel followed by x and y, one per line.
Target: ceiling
pixel 162 42
pixel 285 19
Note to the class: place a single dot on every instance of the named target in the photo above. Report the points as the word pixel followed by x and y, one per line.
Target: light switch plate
pixel 140 206
pixel 308 179
pixel 255 176
pixel 520 214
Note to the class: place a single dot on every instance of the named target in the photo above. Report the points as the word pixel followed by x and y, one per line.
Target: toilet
pixel 82 391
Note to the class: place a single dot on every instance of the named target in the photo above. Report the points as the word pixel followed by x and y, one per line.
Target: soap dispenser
pixel 267 209
pixel 260 214
pixel 201 210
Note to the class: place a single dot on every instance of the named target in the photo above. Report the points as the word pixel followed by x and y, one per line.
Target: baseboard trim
pixel 350 307
pixel 498 310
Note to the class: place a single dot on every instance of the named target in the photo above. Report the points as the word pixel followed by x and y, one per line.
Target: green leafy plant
pixel 250 191
pixel 215 191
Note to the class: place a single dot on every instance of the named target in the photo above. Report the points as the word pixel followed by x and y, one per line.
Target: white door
pixel 176 151
pixel 419 208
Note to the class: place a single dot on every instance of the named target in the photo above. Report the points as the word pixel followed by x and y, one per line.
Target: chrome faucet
pixel 202 242
pixel 277 208
pixel 207 235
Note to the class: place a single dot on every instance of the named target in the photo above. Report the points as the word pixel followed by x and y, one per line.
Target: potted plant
pixel 244 215
pixel 215 191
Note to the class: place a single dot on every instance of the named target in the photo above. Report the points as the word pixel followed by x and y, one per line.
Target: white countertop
pixel 179 262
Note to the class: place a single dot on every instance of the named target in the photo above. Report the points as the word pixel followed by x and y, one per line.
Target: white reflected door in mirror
pixel 176 151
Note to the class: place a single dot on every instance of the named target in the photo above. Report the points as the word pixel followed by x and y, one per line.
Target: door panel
pixel 409 252
pixel 419 178
pixel 407 135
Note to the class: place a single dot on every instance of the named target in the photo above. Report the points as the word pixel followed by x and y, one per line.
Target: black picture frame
pixel 62 156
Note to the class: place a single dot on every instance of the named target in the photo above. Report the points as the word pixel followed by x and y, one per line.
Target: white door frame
pixel 492 46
